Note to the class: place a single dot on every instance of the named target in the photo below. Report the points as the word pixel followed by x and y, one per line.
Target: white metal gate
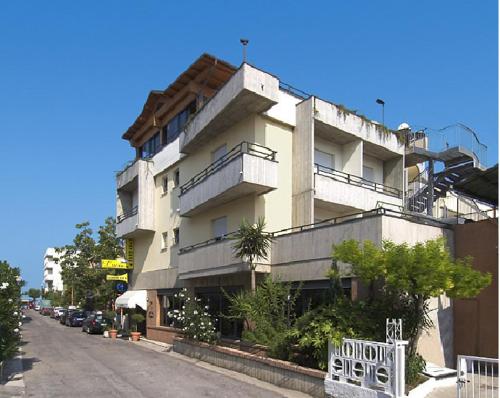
pixel 477 377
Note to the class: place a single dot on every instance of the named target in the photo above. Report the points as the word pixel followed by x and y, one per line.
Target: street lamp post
pixel 381 102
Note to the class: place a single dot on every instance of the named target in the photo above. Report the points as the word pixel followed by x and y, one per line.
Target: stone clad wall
pixel 280 373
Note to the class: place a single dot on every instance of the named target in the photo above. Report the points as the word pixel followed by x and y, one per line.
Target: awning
pixel 131 298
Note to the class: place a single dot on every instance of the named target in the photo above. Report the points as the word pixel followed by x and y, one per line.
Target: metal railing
pixel 477 377
pixel 455 135
pixel 379 211
pixel 208 242
pixel 294 91
pixel 240 149
pixel 126 214
pixel 356 180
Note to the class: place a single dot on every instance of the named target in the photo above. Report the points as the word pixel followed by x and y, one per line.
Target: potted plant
pixel 113 331
pixel 136 319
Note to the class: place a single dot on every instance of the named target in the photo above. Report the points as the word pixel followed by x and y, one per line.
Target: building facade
pixel 223 143
pixel 52 280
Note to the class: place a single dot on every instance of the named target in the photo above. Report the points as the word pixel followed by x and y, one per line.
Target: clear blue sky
pixel 74 75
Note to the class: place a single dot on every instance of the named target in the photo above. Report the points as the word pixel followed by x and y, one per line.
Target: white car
pixel 37 307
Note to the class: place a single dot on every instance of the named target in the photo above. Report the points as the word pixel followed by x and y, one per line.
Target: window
pixel 176 178
pixel 368 173
pixel 174 127
pixel 170 302
pixel 164 241
pixel 151 146
pixel 219 227
pixel 324 159
pixel 164 184
pixel 176 236
pixel 219 153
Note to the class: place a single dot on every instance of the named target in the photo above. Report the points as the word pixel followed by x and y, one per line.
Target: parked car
pixel 75 318
pixel 95 323
pixel 63 315
pixel 56 313
pixel 45 311
pixel 37 307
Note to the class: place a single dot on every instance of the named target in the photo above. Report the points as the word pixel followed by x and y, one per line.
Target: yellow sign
pixel 123 278
pixel 129 251
pixel 116 264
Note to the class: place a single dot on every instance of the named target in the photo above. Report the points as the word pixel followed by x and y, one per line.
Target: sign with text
pixel 129 251
pixel 123 278
pixel 116 264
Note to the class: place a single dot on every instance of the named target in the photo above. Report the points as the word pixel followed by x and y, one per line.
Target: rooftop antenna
pixel 244 42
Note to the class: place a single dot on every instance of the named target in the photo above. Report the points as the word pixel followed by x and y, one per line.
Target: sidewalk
pixel 12 381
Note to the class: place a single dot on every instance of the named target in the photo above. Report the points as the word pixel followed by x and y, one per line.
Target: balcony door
pixel 219 227
pixel 218 154
pixel 324 160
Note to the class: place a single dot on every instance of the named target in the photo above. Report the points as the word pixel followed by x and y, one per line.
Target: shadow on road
pixel 15 366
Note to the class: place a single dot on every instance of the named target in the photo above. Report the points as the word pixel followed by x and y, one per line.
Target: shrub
pixel 194 319
pixel 415 365
pixel 136 319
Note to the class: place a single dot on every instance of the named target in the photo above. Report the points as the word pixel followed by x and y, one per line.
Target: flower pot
pixel 135 336
pixel 112 333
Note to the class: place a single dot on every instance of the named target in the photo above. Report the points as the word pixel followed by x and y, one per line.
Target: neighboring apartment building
pixel 52 280
pixel 223 143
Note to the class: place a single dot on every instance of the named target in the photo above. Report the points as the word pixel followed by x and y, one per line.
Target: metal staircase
pixel 454 162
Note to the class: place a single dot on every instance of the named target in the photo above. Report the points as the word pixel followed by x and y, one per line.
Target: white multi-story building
pixel 223 143
pixel 52 280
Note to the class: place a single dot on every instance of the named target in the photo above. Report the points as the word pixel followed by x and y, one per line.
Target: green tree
pixel 414 274
pixel 34 293
pixel 84 282
pixel 10 313
pixel 252 243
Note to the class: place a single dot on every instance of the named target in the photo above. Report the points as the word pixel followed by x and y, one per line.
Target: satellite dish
pixel 404 126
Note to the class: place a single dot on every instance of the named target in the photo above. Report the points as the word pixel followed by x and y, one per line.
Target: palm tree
pixel 252 243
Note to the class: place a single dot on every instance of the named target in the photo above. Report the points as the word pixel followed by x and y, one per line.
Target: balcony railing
pixel 227 236
pixel 243 147
pixel 127 214
pixel 356 180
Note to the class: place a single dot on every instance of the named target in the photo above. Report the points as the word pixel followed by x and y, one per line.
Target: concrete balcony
pixel 135 200
pixel 304 253
pixel 248 169
pixel 213 257
pixel 248 91
pixel 349 191
pixel 331 119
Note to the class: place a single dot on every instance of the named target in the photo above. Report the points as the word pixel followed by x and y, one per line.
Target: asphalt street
pixel 60 361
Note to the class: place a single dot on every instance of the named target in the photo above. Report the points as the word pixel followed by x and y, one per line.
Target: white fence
pixel 477 377
pixel 360 368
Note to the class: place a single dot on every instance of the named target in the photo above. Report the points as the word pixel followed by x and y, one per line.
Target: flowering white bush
pixel 10 315
pixel 194 319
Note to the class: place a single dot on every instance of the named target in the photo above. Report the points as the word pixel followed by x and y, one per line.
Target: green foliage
pixel 136 319
pixel 34 293
pixel 268 314
pixel 84 283
pixel 56 298
pixel 111 315
pixel 415 365
pixel 10 313
pixel 251 242
pixel 408 276
pixel 194 319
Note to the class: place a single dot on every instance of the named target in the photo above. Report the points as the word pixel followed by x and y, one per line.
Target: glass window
pixel 368 173
pixel 176 178
pixel 324 159
pixel 219 227
pixel 164 240
pixel 151 146
pixel 164 184
pixel 174 127
pixel 176 236
pixel 169 302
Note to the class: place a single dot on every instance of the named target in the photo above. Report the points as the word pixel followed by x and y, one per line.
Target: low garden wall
pixel 162 333
pixel 281 373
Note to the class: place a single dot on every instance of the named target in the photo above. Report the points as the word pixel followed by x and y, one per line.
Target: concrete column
pixel 430 191
pixel 303 163
pixel 352 158
pixel 393 173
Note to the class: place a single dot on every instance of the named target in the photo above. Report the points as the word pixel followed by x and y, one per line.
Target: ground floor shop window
pixel 218 305
pixel 170 303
